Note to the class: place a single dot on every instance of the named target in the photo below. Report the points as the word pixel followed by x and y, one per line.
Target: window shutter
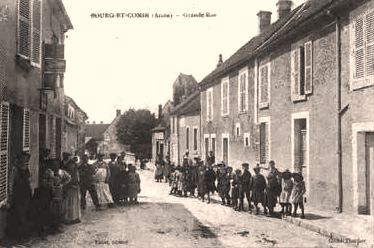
pixel 264 84
pixel 26 130
pixel 263 143
pixel 4 154
pixel 369 33
pixel 308 73
pixel 52 135
pixel 358 48
pixel 295 74
pixel 24 28
pixel 36 31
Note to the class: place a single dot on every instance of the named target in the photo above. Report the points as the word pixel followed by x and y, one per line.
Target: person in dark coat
pixel 87 183
pixel 115 178
pixel 247 183
pixel 19 198
pixel 259 185
pixel 209 180
pixel 123 194
pixel 201 189
pixel 134 185
pixel 225 185
pixel 236 188
pixel 273 188
pixel 211 159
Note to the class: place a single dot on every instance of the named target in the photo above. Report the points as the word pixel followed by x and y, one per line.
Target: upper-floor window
pixel 187 138
pixel 362 45
pixel 302 71
pixel 29 30
pixel 209 104
pixel 237 130
pixel 225 96
pixel 243 91
pixel 264 84
pixel 195 135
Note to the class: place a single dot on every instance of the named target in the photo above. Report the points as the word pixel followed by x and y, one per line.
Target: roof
pixel 292 21
pixel 96 131
pixel 159 128
pixel 68 99
pixel 185 79
pixel 189 106
pixel 66 18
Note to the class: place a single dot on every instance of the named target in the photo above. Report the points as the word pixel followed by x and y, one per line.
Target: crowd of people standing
pixel 195 178
pixel 61 193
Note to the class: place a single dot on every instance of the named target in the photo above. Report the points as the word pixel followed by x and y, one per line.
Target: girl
pixel 134 184
pixel 297 194
pixel 284 198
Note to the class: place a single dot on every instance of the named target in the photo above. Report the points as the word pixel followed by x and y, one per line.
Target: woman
pixel 102 187
pixel 72 210
pixel 20 198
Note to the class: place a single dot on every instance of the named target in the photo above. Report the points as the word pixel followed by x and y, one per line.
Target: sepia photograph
pixel 190 123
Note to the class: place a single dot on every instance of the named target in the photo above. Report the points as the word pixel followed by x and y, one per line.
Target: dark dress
pixel 259 185
pixel 20 207
pixel 124 185
pixel 210 178
pixel 114 180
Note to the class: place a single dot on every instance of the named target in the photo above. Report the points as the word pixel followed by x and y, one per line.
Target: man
pixel 247 183
pixel 211 159
pixel 87 182
pixel 114 179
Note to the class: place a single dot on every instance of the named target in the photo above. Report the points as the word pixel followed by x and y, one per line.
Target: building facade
pixel 185 129
pixel 32 66
pixel 309 97
pixel 74 128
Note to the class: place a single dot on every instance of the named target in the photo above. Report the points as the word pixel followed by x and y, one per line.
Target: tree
pixel 135 129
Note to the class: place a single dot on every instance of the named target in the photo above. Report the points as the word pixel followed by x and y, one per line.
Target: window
pixel 246 140
pixel 209 104
pixel 213 143
pixel 29 30
pixel 243 91
pixel 237 129
pixel 225 148
pixel 187 138
pixel 225 97
pixel 4 151
pixel 264 92
pixel 301 72
pixel 195 139
pixel 264 142
pixel 52 136
pixel 206 145
pixel 362 40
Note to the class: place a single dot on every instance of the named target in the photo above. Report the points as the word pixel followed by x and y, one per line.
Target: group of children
pixel 233 187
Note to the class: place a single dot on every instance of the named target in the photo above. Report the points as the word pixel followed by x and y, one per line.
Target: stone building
pixel 302 91
pixel 32 66
pixel 185 129
pixel 74 128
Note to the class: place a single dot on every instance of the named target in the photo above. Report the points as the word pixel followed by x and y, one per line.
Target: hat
pixel 297 175
pixel 245 165
pixel 113 154
pixel 238 171
pixel 286 174
pixel 100 155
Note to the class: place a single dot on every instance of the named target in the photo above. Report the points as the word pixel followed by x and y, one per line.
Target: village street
pixel 161 220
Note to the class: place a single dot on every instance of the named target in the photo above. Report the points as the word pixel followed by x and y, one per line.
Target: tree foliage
pixel 135 129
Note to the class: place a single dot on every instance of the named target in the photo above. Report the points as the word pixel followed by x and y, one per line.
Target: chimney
pixel 118 112
pixel 101 122
pixel 264 20
pixel 94 122
pixel 159 111
pixel 88 122
pixel 284 8
pixel 220 60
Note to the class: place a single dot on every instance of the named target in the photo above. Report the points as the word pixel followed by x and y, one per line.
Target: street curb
pixel 334 237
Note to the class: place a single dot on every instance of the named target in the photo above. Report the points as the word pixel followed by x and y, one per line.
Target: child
pixel 236 188
pixel 297 194
pixel 134 184
pixel 284 198
pixel 200 185
pixel 225 186
pixel 259 185
pixel 174 182
pixel 209 181
pixel 123 184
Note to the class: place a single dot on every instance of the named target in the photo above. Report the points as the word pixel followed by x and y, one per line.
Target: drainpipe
pixel 339 208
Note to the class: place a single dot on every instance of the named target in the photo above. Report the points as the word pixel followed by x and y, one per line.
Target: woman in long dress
pixel 102 187
pixel 72 209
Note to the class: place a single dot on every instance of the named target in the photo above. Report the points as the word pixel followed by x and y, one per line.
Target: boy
pixel 236 188
pixel 134 184
pixel 247 187
pixel 259 185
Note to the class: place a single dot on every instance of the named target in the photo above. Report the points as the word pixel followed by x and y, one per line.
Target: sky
pixel 122 63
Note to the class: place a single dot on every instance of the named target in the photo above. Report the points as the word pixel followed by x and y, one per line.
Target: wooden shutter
pixel 52 136
pixel 358 48
pixel 224 97
pixel 26 130
pixel 242 92
pixel 36 31
pixel 263 138
pixel 195 139
pixel 264 84
pixel 308 69
pixel 369 38
pixel 24 27
pixel 187 138
pixel 4 152
pixel 295 74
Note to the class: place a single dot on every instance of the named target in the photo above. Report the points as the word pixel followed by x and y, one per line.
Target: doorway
pixel 225 149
